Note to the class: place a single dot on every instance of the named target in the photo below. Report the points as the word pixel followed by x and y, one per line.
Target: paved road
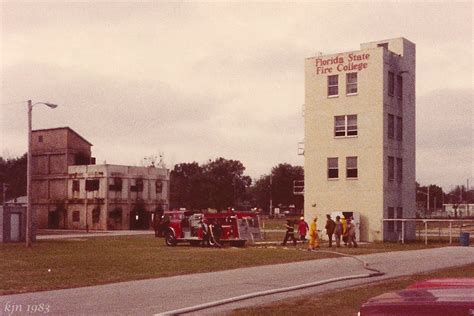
pixel 153 296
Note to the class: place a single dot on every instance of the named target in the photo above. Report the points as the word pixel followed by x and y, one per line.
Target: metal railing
pixel 466 224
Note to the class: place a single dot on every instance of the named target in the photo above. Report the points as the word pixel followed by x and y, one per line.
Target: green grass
pixel 349 300
pixel 83 262
pixel 75 263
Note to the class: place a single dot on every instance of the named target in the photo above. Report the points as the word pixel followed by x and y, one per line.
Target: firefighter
pixel 313 235
pixel 330 227
pixel 302 228
pixel 290 233
pixel 205 232
pixel 158 220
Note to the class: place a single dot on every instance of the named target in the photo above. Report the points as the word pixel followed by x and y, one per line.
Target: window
pixel 159 186
pixel 391 83
pixel 96 215
pixel 333 85
pixel 399 87
pixel 345 125
pixel 352 125
pixel 76 216
pixel 399 169
pixel 340 125
pixel 351 167
pixel 333 168
pixel 92 185
pixel 399 215
pixel 75 185
pixel 116 185
pixel 40 138
pixel 391 126
pixel 391 171
pixel 351 83
pixel 391 215
pixel 399 128
pixel 138 187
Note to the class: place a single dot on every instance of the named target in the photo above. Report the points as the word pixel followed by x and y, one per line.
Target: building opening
pixel 139 218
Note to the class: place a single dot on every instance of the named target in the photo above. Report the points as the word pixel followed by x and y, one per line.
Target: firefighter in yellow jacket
pixel 313 234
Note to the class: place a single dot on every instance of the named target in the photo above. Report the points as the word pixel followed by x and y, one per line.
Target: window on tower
pixel 333 85
pixel 399 128
pixel 399 169
pixel 351 167
pixel 399 87
pixel 391 168
pixel 351 83
pixel 391 83
pixel 333 168
pixel 391 126
pixel 345 125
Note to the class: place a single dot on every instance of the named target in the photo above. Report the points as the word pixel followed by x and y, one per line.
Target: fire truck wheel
pixel 170 239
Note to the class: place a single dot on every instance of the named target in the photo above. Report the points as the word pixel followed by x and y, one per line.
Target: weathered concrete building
pixel 70 192
pixel 115 197
pixel 359 144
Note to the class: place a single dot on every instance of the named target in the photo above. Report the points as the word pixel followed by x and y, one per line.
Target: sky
pixel 196 81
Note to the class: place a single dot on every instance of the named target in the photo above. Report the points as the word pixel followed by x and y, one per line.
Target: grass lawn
pixel 347 301
pixel 83 262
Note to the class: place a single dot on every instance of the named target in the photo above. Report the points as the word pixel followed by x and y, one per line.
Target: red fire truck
pixel 212 229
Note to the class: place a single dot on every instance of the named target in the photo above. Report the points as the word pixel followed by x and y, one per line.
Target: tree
pixel 226 183
pixel 13 173
pixel 218 184
pixel 281 189
pixel 187 186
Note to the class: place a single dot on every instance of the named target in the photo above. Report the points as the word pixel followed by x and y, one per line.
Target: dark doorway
pixel 140 219
pixel 53 219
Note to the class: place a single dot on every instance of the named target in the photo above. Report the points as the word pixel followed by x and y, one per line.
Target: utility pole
pixel 271 202
pixel 428 199
pixel 467 198
pixel 4 191
pixel 29 206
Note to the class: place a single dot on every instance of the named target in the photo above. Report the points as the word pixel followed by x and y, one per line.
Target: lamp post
pixel 29 208
pixel 427 198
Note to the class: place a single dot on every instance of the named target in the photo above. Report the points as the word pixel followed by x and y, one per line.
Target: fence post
pixel 426 233
pixel 403 231
pixel 451 232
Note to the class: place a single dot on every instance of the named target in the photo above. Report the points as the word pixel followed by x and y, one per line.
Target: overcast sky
pixel 197 81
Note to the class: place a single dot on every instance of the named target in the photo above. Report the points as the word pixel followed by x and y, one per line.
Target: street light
pixel 427 197
pixel 28 172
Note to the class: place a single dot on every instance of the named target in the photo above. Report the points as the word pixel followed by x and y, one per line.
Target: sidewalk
pixel 149 297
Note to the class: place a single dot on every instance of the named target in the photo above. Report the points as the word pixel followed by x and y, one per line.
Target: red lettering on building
pixel 353 62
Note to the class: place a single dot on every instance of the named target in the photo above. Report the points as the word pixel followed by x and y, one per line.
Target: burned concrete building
pixel 69 191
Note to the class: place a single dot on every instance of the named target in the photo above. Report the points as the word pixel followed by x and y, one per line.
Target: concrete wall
pixel 53 151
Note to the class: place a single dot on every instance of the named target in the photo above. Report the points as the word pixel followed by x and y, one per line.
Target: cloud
pixel 202 80
pixel 445 141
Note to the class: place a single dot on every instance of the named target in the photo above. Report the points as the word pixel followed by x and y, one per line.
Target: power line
pixel 14 102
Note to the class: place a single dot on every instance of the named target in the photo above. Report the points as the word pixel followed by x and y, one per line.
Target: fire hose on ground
pixel 374 272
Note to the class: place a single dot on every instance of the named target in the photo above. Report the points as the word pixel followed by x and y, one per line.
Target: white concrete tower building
pixel 360 137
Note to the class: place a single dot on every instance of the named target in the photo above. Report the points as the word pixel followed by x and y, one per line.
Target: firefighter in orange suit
pixel 313 235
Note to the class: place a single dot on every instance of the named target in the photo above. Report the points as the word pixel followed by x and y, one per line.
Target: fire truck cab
pixel 212 229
